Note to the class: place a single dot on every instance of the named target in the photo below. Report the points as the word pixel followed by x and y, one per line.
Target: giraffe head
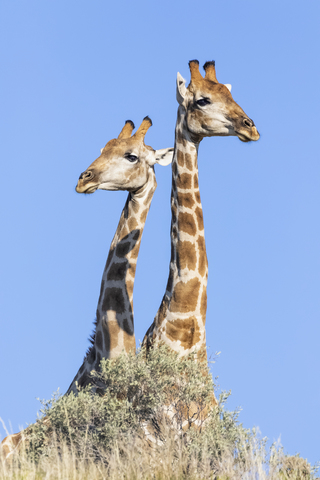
pixel 124 163
pixel 210 108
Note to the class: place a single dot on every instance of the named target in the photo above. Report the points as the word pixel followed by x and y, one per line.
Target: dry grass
pixel 130 460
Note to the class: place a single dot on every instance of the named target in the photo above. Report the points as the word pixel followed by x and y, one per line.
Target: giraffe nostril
pixel 86 175
pixel 248 122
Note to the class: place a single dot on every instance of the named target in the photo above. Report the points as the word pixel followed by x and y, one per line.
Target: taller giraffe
pixel 125 163
pixel 206 109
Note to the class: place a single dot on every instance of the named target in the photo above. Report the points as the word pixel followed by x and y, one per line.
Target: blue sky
pixel 72 73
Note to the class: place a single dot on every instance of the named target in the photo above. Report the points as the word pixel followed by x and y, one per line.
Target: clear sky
pixel 71 73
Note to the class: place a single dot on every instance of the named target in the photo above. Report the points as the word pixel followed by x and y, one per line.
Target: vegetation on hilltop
pixel 133 427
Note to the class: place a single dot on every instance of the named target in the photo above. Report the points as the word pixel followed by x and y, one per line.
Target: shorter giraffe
pixel 125 163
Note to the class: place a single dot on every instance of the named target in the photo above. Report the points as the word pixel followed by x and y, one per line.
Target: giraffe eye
pixel 132 158
pixel 203 101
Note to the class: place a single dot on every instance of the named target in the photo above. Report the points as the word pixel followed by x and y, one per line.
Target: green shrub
pixel 134 395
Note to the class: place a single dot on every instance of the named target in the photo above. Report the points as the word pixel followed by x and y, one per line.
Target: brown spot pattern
pixel 199 216
pixel 186 223
pixel 185 200
pixel 184 181
pixel 124 232
pixel 181 139
pixel 135 206
pixel 180 158
pixel 195 181
pixel 161 315
pixel 149 197
pixel 129 342
pixel 143 215
pixel 203 306
pixel 203 262
pixel 130 288
pixel 132 269
pixel 187 255
pixel 186 331
pixel 111 335
pixel 132 223
pixel 197 196
pixel 188 159
pixel 135 251
pixel 185 296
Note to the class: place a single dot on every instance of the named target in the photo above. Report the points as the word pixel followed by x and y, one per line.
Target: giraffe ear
pixel 228 86
pixel 181 89
pixel 164 156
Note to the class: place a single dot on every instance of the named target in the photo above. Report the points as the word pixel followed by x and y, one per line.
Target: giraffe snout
pixel 85 182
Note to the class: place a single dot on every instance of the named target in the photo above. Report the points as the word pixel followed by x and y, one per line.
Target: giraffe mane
pixel 92 338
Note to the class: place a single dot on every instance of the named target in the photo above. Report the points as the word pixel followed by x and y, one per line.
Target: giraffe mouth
pixel 84 189
pixel 91 189
pixel 252 135
pixel 243 138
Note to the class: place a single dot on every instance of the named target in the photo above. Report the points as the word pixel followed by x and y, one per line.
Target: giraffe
pixel 206 109
pixel 125 163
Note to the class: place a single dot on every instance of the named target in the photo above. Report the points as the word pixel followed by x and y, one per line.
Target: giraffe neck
pixel 114 329
pixel 180 321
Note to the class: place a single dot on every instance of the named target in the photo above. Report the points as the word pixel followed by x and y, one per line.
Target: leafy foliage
pixel 132 397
